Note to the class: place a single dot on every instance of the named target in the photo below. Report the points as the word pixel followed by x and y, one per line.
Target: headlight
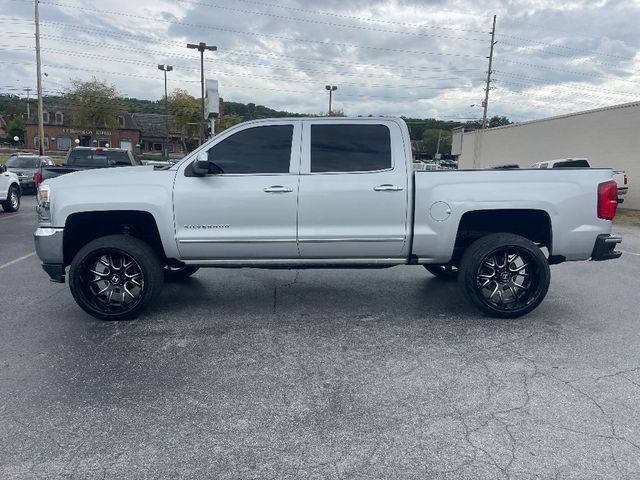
pixel 43 208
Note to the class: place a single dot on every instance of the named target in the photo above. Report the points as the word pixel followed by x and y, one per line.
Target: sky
pixel 422 58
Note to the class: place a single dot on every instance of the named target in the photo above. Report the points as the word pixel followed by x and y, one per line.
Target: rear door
pixel 353 191
pixel 249 211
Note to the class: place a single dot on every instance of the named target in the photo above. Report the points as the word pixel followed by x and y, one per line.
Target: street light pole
pixel 201 47
pixel 331 88
pixel 165 69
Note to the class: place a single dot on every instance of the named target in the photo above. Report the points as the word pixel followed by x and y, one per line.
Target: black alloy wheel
pixel 115 277
pixel 505 275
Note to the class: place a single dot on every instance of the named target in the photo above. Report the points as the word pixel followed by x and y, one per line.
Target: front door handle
pixel 278 189
pixel 388 188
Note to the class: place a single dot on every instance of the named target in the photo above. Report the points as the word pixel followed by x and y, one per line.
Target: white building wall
pixel 608 137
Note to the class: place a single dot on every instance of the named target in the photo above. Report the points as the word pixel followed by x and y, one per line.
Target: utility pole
pixel 39 73
pixel 165 69
pixel 485 104
pixel 438 147
pixel 201 47
pixel 28 90
pixel 331 88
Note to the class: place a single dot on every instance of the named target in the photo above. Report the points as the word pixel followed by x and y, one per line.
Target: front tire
pixel 12 203
pixel 115 277
pixel 504 275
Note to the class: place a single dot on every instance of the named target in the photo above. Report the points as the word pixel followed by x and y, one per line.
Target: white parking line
pixel 10 215
pixel 17 260
pixel 631 253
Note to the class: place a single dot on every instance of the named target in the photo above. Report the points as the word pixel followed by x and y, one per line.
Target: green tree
pixel 15 128
pixel 430 138
pixel 94 104
pixel 186 112
pixel 498 121
pixel 231 120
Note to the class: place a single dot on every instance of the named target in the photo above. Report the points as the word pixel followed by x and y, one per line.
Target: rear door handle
pixel 278 189
pixel 388 188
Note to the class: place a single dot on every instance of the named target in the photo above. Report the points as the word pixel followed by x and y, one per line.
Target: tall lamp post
pixel 331 88
pixel 201 47
pixel 165 69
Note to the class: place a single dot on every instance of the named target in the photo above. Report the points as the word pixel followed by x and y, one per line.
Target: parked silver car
pixel 28 166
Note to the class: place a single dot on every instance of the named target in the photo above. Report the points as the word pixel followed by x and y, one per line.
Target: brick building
pixel 138 132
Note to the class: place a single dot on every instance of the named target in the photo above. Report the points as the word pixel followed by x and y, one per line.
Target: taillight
pixel 607 200
pixel 37 179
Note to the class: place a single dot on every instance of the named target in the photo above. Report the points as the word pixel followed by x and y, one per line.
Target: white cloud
pixel 413 58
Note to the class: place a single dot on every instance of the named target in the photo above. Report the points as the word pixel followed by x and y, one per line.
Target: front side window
pixel 255 150
pixel 350 148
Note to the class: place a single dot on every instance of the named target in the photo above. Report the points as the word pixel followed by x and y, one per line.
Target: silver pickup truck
pixel 319 193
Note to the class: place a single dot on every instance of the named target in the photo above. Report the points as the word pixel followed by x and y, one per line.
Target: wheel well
pixel 81 228
pixel 534 225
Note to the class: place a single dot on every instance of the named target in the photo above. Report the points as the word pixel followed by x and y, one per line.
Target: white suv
pixel 9 190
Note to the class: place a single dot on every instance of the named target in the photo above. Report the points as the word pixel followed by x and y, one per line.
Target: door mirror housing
pixel 3 168
pixel 201 164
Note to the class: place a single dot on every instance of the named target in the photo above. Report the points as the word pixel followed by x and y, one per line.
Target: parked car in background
pixel 9 190
pixel 87 158
pixel 618 175
pixel 27 167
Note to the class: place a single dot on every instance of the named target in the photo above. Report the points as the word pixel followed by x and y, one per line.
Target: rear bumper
pixel 49 247
pixel 604 249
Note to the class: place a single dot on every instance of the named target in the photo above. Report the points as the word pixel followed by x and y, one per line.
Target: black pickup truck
pixel 85 158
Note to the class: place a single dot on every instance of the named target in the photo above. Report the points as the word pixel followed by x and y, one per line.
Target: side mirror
pixel 3 168
pixel 201 164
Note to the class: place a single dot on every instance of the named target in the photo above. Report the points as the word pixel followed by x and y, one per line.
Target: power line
pixel 279 37
pixel 353 17
pixel 542 81
pixel 320 22
pixel 251 54
pixel 562 47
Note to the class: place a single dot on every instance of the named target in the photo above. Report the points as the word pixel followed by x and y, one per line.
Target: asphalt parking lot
pixel 324 374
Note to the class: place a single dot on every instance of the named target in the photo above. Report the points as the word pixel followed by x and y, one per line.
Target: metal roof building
pixel 608 137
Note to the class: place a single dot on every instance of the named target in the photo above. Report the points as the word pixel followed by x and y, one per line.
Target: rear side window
pixel 255 150
pixel 350 148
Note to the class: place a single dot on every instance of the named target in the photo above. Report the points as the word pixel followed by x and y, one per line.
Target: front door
pixel 249 210
pixel 354 192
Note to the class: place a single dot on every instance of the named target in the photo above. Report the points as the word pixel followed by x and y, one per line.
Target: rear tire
pixel 443 272
pixel 115 277
pixel 12 203
pixel 504 275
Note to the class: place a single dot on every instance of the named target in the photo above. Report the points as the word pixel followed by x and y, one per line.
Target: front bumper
pixel 604 249
pixel 49 247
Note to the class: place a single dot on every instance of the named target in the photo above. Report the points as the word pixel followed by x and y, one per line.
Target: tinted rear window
pixel 350 148
pixel 572 164
pixel 92 158
pixel 22 162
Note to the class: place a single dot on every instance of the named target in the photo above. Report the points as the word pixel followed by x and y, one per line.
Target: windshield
pixel 22 162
